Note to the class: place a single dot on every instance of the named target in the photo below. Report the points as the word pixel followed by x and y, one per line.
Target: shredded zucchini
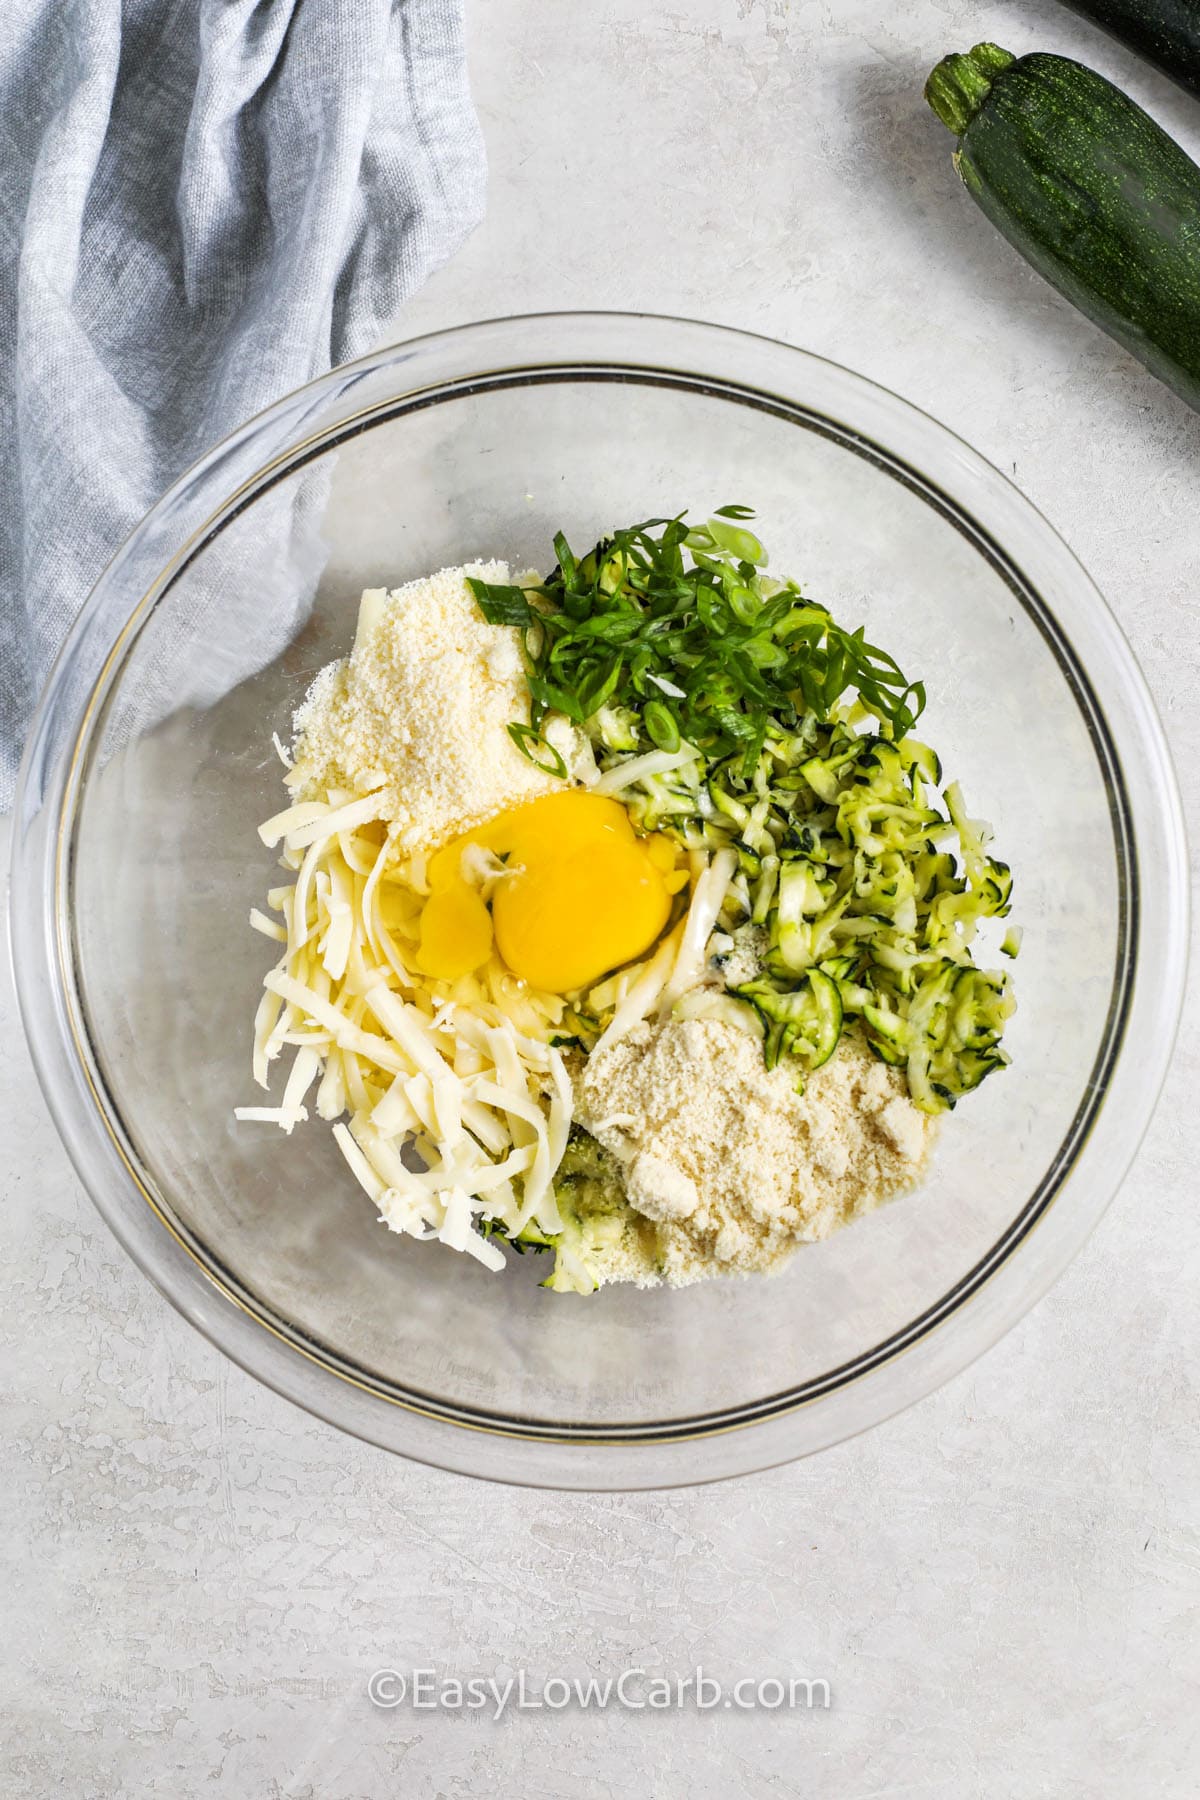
pixel 597 1220
pixel 868 911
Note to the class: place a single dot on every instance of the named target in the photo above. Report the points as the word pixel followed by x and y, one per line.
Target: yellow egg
pixel 456 932
pixel 587 896
pixel 582 894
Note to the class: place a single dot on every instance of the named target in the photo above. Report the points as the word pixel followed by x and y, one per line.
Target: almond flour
pixel 732 1167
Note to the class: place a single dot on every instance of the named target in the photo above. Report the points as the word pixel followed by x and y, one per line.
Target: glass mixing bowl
pixel 136 862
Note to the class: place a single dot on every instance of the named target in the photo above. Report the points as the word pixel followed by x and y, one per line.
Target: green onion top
pixel 680 626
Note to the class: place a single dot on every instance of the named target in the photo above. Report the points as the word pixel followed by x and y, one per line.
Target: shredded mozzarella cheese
pixel 452 1071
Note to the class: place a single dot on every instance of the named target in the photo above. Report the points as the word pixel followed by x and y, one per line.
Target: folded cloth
pixel 205 203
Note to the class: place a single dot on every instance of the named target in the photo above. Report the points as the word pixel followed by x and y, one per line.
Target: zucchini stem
pixel 962 82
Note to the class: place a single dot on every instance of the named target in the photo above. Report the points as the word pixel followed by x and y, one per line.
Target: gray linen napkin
pixel 204 203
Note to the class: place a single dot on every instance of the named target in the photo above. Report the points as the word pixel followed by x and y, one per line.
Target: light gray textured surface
pixel 1002 1586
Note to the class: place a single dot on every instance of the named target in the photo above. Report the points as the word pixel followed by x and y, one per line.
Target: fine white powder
pixel 732 1166
pixel 419 713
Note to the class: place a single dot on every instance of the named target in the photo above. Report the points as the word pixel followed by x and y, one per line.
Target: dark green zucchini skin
pixel 1090 190
pixel 1166 32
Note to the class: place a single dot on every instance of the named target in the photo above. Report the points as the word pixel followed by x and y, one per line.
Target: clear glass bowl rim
pixel 40 934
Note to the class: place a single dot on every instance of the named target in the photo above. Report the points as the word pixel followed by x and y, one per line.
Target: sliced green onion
pixel 597 689
pixel 661 726
pixel 745 605
pixel 502 605
pixel 566 562
pixel 524 736
pixel 737 541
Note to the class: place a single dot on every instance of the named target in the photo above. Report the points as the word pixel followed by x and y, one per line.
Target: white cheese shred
pixel 463 1089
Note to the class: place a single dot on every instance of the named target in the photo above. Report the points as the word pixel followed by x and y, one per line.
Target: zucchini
pixel 1166 32
pixel 803 893
pixel 804 1022
pixel 1090 190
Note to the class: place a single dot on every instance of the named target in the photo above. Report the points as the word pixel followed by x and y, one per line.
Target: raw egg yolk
pixel 580 895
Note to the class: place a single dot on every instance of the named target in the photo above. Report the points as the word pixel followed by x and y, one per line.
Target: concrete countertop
pixel 1001 1586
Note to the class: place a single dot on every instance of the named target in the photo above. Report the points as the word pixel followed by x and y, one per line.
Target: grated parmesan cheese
pixel 417 716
